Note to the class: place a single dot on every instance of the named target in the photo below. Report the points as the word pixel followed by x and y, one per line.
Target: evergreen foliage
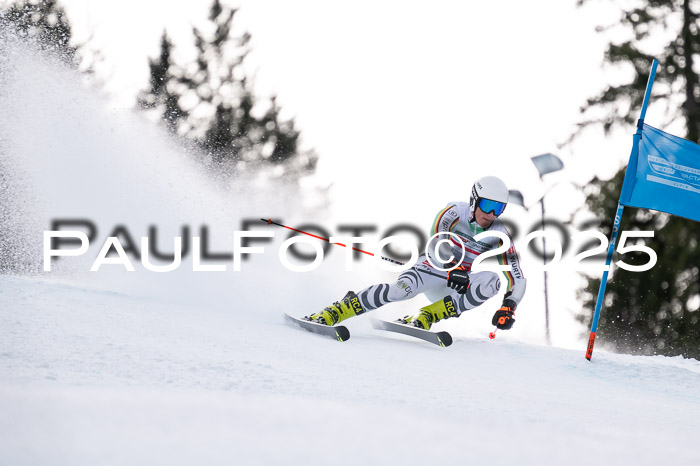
pixel 211 102
pixel 162 93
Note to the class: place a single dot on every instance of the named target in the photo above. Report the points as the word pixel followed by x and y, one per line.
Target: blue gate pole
pixel 618 215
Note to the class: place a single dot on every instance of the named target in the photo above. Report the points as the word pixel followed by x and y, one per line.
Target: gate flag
pixel 664 175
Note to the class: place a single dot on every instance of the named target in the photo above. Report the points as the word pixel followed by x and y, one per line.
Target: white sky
pixel 406 102
pixel 452 91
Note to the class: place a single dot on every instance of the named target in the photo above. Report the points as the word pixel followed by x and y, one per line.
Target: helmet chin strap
pixel 473 201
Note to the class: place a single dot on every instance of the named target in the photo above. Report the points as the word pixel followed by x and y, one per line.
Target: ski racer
pixel 459 290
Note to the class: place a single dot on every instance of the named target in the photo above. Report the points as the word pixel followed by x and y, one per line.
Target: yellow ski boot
pixel 348 307
pixel 428 315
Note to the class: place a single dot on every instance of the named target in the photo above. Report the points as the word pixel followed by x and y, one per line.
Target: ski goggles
pixel 488 206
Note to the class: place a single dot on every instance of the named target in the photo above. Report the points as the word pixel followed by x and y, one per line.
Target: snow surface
pixel 116 368
pixel 93 377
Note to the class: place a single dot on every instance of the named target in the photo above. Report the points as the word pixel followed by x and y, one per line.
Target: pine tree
pixel 237 130
pixel 654 311
pixel 162 95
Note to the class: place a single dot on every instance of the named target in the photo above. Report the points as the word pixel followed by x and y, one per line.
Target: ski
pixel 337 332
pixel 443 339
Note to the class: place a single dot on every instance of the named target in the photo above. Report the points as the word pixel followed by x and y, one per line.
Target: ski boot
pixel 348 307
pixel 428 315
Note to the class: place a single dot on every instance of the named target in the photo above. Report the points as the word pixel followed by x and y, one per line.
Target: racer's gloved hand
pixel 504 318
pixel 458 279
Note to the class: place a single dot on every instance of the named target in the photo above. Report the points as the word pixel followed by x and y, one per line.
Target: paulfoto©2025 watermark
pixel 120 249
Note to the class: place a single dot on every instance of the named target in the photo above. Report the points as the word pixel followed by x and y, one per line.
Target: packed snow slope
pixel 89 376
pixel 180 368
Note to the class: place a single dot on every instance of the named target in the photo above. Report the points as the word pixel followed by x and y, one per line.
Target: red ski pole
pixel 270 222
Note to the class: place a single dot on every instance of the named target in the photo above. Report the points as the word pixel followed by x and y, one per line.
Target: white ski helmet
pixel 490 194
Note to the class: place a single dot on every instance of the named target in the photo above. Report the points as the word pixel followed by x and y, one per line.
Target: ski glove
pixel 504 319
pixel 458 280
